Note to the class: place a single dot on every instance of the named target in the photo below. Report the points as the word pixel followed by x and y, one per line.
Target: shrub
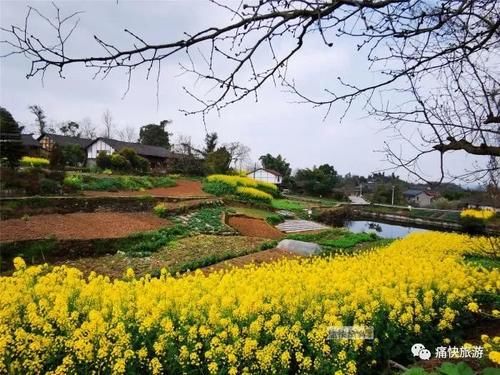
pixel 137 163
pixel 57 158
pixel 103 160
pixel 275 219
pixel 116 183
pixel 48 186
pixel 73 182
pixel 29 161
pixel 120 163
pixel 160 209
pixel 251 194
pixel 268 245
pixel 218 188
pixel 73 155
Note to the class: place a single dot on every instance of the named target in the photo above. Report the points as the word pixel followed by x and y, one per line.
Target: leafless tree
pixel 107 120
pixel 128 134
pixel 87 129
pixel 238 151
pixel 40 118
pixel 441 58
pixel 183 145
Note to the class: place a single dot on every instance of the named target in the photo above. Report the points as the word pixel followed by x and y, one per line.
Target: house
pixel 266 175
pixel 48 141
pixel 156 155
pixel 30 145
pixel 421 198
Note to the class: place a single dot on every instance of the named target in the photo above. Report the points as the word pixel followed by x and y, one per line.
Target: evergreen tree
pixel 11 147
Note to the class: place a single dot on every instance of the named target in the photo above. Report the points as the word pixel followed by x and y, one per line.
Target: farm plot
pixel 80 225
pixel 183 188
pixel 254 227
pixel 179 256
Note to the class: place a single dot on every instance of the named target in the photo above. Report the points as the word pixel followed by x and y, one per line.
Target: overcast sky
pixel 276 124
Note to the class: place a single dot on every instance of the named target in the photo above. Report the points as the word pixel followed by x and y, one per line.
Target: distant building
pixel 421 198
pixel 266 175
pixel 48 141
pixel 156 155
pixel 30 145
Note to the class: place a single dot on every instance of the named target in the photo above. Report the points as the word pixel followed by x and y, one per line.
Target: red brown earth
pixel 79 225
pixel 251 227
pixel 184 188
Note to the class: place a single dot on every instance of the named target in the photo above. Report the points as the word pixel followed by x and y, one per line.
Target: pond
pixel 382 229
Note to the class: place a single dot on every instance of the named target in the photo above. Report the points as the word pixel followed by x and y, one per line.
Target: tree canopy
pixel 278 163
pixel 11 147
pixel 316 181
pixel 155 135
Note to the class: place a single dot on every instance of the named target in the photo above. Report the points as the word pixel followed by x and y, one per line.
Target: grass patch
pixel 348 240
pixel 318 236
pixel 269 245
pixel 287 204
pixel 251 212
pixel 337 240
pixel 485 262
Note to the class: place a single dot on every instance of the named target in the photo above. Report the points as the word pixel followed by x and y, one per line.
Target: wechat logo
pixel 419 350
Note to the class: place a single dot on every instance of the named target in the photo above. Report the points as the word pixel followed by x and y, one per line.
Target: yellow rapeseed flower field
pixel 248 192
pixel 478 214
pixel 235 181
pixel 271 319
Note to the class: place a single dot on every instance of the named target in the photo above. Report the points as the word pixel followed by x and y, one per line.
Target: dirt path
pixel 266 256
pixel 254 227
pixel 184 188
pixel 79 226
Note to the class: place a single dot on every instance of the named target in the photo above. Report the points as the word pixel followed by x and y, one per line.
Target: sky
pixel 276 124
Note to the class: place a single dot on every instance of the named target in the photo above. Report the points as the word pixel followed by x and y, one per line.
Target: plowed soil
pixel 184 188
pixel 79 226
pixel 254 227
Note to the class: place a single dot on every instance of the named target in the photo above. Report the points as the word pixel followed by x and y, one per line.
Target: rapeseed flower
pixel 256 319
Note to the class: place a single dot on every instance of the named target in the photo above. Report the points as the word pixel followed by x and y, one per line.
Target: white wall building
pixel 96 147
pixel 266 175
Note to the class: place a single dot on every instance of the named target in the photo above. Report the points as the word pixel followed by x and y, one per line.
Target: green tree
pixel 383 194
pixel 103 160
pixel 73 155
pixel 279 164
pixel 210 142
pixel 57 158
pixel 218 161
pixel 11 147
pixel 40 118
pixel 138 163
pixel 155 135
pixel 317 181
pixel 70 128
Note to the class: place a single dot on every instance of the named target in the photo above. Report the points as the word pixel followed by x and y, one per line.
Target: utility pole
pixel 392 200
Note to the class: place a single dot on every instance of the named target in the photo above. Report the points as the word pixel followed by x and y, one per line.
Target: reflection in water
pixel 383 230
